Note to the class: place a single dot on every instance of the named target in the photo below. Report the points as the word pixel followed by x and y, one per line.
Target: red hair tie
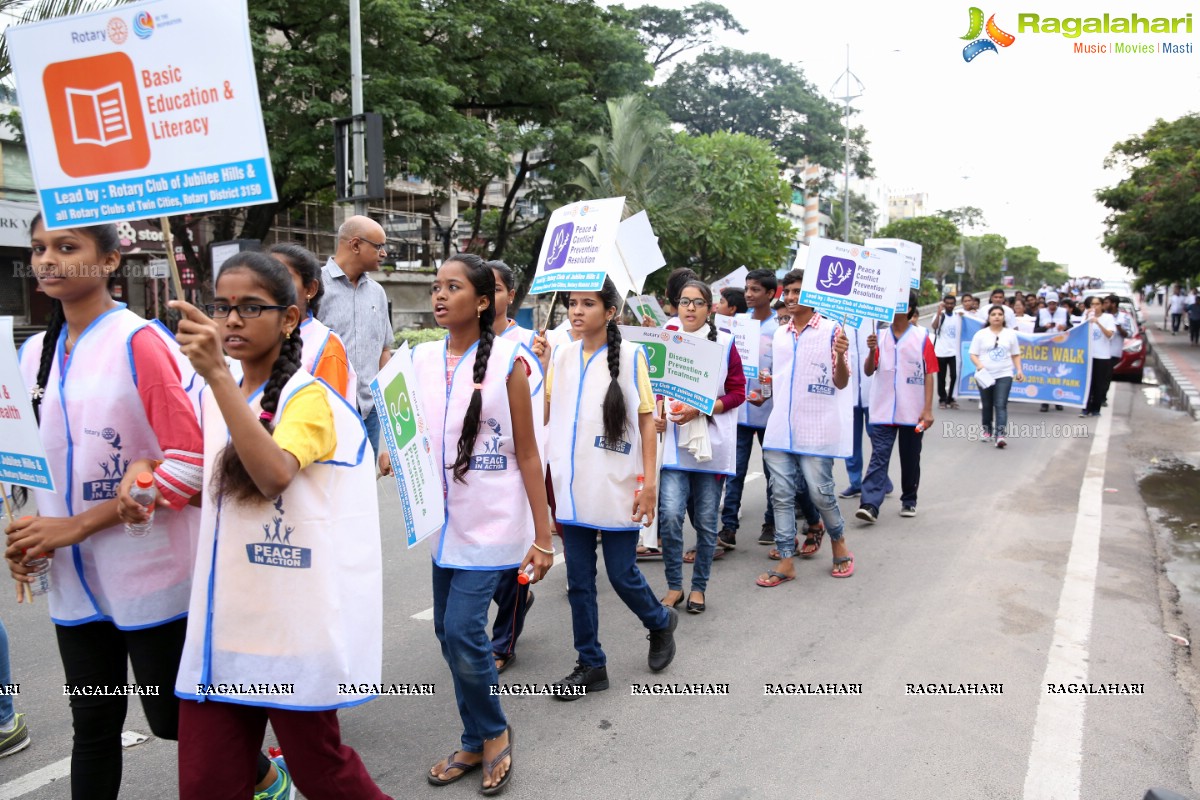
pixel 266 416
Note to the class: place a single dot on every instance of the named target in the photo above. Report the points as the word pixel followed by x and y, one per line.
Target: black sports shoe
pixel 867 513
pixel 767 536
pixel 662 643
pixel 727 539
pixel 593 679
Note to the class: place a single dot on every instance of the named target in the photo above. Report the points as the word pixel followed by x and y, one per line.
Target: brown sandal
pixel 812 539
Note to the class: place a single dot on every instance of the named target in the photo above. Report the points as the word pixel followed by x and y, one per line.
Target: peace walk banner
pixel 1057 366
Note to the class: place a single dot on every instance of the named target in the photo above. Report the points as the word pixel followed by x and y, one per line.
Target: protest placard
pixel 580 247
pixel 736 279
pixel 1057 366
pixel 638 248
pixel 22 456
pixel 747 338
pixel 647 306
pixel 128 114
pixel 910 253
pixel 683 366
pixel 417 469
pixel 848 280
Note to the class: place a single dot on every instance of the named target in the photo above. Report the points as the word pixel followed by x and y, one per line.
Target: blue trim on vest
pixel 500 568
pixel 362 446
pixel 106 618
pixel 536 362
pixel 199 698
pixel 583 368
pixel 445 413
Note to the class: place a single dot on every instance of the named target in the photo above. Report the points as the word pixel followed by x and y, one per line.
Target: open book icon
pixel 99 116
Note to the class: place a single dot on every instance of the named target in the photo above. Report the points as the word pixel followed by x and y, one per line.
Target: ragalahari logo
pixel 994 37
pixel 835 275
pixel 560 246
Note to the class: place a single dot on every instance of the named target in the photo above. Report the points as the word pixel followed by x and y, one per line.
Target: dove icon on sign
pixel 835 276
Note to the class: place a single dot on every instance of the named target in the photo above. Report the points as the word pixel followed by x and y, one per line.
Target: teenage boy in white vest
pixel 902 362
pixel 810 426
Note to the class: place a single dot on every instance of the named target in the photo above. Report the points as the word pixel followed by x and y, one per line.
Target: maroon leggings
pixel 218 752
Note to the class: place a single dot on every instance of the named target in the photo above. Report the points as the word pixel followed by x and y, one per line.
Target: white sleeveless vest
pixel 288 591
pixel 750 415
pixel 93 426
pixel 722 432
pixel 898 387
pixel 810 417
pixel 860 382
pixel 489 524
pixel 594 482
pixel 515 333
pixel 315 335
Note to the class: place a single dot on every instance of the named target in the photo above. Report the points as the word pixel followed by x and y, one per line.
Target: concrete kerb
pixel 1173 377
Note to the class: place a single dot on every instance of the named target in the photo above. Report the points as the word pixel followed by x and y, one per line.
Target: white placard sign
pixel 416 468
pixel 22 456
pixel 736 279
pixel 849 280
pixel 647 306
pixel 580 247
pixel 747 338
pixel 638 247
pixel 910 252
pixel 683 366
pixel 142 110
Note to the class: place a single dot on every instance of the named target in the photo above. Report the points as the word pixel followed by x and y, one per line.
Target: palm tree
pixel 38 10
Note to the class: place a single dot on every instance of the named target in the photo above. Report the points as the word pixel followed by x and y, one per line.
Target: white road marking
pixel 1056 754
pixel 53 772
pixel 427 614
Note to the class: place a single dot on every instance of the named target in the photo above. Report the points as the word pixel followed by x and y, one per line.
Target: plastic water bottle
pixel 764 380
pixel 145 494
pixel 40 572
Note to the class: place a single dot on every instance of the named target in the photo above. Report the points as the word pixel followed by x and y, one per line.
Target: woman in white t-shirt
pixel 1022 322
pixel 996 353
pixel 1101 326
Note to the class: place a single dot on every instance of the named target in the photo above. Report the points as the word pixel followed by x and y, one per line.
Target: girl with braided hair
pixel 602 459
pixel 686 480
pixel 474 387
pixel 106 392
pixel 289 540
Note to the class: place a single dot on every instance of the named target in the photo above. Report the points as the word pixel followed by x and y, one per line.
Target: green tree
pixel 1153 226
pixel 862 217
pixel 668 33
pixel 964 217
pixel 1029 271
pixel 759 95
pixel 738 181
pixel 938 239
pixel 984 260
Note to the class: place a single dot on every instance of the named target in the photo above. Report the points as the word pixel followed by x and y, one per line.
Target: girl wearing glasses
pixel 106 390
pixel 996 351
pixel 686 480
pixel 268 636
pixel 324 353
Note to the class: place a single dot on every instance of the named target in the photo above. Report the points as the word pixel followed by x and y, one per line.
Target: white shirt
pixel 996 351
pixel 1176 303
pixel 1101 344
pixel 945 342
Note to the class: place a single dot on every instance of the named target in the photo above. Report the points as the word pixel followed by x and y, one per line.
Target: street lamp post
pixel 846 98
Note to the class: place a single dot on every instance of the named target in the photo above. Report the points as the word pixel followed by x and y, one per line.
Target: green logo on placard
pixel 400 412
pixel 656 356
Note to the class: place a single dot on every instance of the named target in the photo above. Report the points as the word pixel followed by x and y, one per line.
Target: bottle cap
pixel 522 579
pixel 145 480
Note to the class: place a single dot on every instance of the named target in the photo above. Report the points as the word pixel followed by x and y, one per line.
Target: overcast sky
pixel 1021 133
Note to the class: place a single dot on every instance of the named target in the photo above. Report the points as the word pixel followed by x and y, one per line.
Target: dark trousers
pixel 620 562
pixel 97 654
pixel 875 485
pixel 1175 320
pixel 1101 378
pixel 947 368
pixel 218 743
pixel 1194 329
pixel 512 599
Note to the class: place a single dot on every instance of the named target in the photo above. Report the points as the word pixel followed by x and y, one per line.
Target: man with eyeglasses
pixel 356 308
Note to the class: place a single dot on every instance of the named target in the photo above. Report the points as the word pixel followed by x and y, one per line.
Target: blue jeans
pixel 620 562
pixel 883 438
pixel 371 421
pixel 995 397
pixel 733 486
pixel 787 469
pixel 6 701
pixel 512 600
pixel 854 464
pixel 675 488
pixel 461 600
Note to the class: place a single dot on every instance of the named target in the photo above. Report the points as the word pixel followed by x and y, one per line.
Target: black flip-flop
pixel 491 767
pixel 505 660
pixel 451 763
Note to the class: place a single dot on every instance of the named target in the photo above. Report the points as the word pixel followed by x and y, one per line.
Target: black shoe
pixel 662 644
pixel 1058 407
pixel 767 536
pixel 867 513
pixel 593 679
pixel 695 608
pixel 727 539
pixel 1045 407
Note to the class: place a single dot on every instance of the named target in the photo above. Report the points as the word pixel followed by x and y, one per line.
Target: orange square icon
pixel 96 115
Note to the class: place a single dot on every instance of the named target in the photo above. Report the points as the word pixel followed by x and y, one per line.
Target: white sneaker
pixel 1000 443
pixel 986 438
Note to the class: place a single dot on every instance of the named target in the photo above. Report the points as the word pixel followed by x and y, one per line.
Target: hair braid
pixel 712 330
pixel 484 281
pixel 615 412
pixel 236 480
pixel 49 347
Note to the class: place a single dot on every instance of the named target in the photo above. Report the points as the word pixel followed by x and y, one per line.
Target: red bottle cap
pixel 145 480
pixel 522 579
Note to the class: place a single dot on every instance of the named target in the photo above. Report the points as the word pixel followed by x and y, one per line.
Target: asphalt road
pixel 969 591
